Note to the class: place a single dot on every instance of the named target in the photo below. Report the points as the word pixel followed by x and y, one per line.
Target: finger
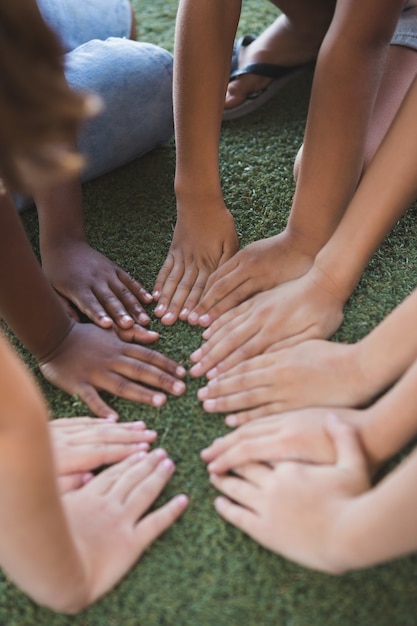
pixel 217 287
pixel 348 449
pixel 245 344
pixel 162 276
pixel 181 293
pixel 71 482
pixel 129 370
pixel 248 450
pixel 88 304
pixel 145 492
pixel 108 433
pixel 157 522
pixel 223 343
pixel 253 472
pixel 75 423
pixel 194 294
pixel 170 286
pixel 156 359
pixel 89 395
pixel 241 292
pixel 137 334
pixel 139 293
pixel 237 489
pixel 87 427
pixel 136 473
pixel 112 305
pixel 245 519
pixel 245 398
pixel 246 417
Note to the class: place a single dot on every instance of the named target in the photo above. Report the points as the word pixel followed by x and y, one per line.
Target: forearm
pixel 201 71
pixel 391 422
pixel 384 194
pixel 61 215
pixel 344 90
pixel 36 550
pixel 381 524
pixel 27 301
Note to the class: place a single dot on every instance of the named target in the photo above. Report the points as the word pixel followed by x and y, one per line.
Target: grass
pixel 203 572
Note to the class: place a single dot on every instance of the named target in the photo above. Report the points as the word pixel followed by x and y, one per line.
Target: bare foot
pixel 285 42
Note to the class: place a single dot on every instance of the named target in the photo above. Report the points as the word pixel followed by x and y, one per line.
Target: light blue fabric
pixel 133 80
pixel 78 21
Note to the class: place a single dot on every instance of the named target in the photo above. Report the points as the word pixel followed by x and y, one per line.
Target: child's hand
pixel 312 373
pixel 300 309
pixel 109 520
pixel 297 509
pixel 298 435
pixel 83 444
pixel 90 359
pixel 200 244
pixel 260 266
pixel 95 285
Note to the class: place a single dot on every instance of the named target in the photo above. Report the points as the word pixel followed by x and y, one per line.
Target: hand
pixel 83 444
pixel 200 244
pixel 258 267
pixel 304 308
pixel 297 509
pixel 312 373
pixel 108 517
pixel 91 359
pixel 95 285
pixel 295 436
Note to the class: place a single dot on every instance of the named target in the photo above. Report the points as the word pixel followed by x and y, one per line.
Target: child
pixel 79 358
pixel 359 83
pixel 65 551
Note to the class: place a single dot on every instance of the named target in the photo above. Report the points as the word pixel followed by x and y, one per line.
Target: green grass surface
pixel 203 571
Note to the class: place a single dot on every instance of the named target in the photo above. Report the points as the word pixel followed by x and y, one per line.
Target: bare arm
pixel 67 552
pixel 204 235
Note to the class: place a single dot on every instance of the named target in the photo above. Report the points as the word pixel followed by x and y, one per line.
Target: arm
pixel 204 235
pixel 384 429
pixel 318 297
pixel 346 81
pixel 90 281
pixel 79 358
pixel 65 553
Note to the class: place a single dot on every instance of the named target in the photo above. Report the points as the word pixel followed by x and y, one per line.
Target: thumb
pixel 349 454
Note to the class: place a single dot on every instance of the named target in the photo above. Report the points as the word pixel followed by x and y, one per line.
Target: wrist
pixel 55 344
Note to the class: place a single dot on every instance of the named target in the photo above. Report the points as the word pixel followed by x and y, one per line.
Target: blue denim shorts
pixel 133 80
pixel 406 31
pixel 78 21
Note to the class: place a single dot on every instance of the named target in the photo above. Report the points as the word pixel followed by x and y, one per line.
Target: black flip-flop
pixel 280 75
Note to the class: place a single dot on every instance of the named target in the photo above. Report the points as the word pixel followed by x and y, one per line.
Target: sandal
pixel 279 73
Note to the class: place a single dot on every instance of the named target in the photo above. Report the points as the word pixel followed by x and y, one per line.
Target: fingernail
pixel 193 318
pixel 178 387
pixel 204 320
pixel 184 312
pixel 168 317
pixel 231 420
pixel 202 393
pixel 106 319
pixel 144 319
pixel 209 405
pixel 112 417
pixel 160 453
pixel 168 465
pixel 160 308
pixel 158 399
pixel 139 456
pixel 86 478
pixel 142 446
pixel 196 356
pixel 156 294
pixel 212 373
pixel 180 371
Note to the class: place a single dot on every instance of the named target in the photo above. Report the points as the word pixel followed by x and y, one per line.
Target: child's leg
pixel 134 81
pixel 76 22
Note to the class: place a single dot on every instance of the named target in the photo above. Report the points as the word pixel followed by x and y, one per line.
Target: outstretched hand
pixel 294 436
pixel 297 509
pixel 83 444
pixel 95 285
pixel 200 244
pixel 312 373
pixel 90 359
pixel 260 266
pixel 109 520
pixel 304 308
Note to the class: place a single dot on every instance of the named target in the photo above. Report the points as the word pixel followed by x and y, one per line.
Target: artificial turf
pixel 203 571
